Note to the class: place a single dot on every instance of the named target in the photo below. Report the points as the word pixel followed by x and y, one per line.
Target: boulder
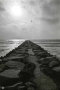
pixel 57 69
pixel 53 63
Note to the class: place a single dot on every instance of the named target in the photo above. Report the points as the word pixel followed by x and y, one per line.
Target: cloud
pixel 50 20
pixel 50 11
pixel 1 7
pixel 47 10
pixel 57 2
pixel 42 20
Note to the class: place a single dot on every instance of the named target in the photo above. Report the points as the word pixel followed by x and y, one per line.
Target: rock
pixel 3 67
pixel 0 60
pixel 46 60
pixel 50 61
pixel 27 73
pixel 31 88
pixel 53 64
pixel 15 64
pixel 57 69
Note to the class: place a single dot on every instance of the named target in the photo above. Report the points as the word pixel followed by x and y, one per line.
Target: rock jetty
pixel 29 67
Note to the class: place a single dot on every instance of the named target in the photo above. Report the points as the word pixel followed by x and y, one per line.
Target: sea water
pixel 8 45
pixel 52 46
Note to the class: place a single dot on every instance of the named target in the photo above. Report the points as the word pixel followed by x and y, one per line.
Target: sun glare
pixel 15 10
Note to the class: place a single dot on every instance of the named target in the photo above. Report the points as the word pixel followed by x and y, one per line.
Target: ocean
pixel 52 46
pixel 8 45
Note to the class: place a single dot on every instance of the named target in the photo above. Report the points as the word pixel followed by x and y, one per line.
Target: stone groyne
pixel 29 67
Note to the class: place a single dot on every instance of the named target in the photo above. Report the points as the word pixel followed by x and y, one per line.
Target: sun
pixel 15 10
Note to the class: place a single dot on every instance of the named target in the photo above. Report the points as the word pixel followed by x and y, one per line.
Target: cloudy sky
pixel 30 19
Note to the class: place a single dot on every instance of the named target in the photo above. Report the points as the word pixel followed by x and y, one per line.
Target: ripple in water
pixel 8 45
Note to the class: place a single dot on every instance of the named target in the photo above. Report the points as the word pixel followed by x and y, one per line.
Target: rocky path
pixel 24 54
pixel 42 81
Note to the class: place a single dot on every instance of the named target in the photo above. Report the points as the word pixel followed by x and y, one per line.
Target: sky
pixel 29 19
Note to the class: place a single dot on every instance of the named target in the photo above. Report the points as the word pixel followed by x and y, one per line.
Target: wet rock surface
pixel 29 67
